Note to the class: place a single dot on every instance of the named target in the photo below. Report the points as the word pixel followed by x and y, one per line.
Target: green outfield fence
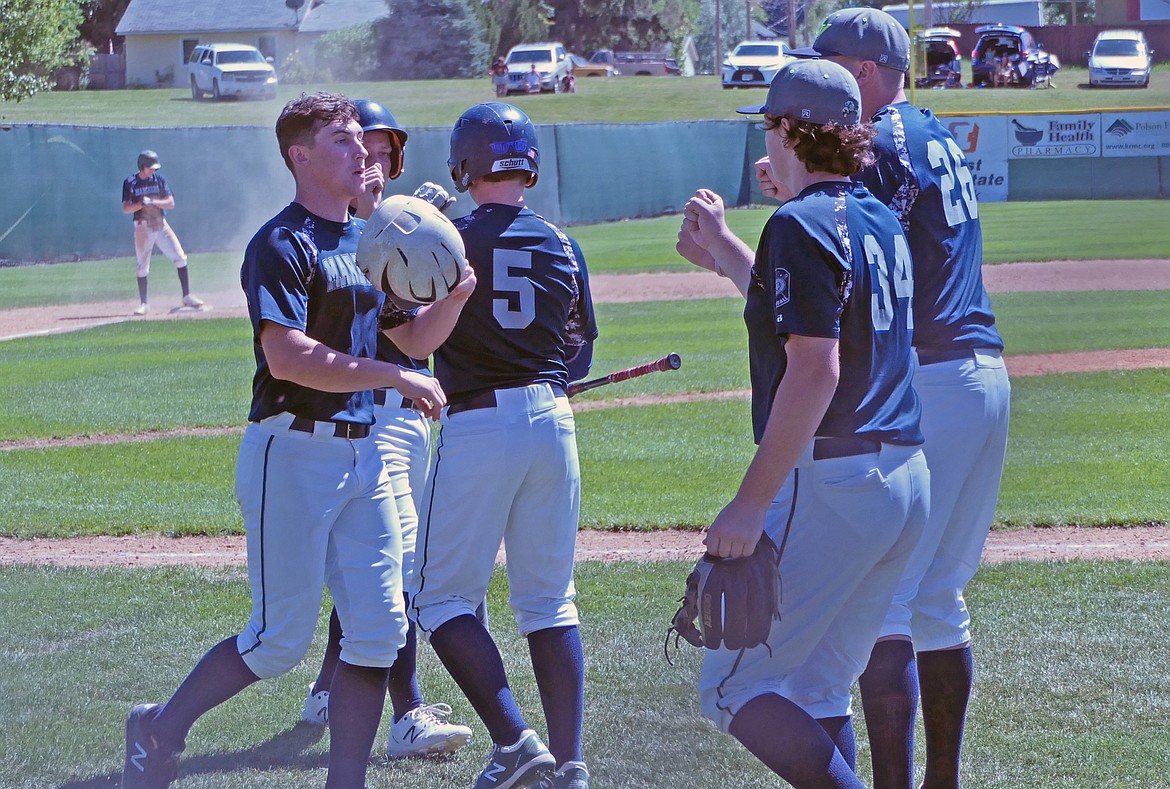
pixel 62 184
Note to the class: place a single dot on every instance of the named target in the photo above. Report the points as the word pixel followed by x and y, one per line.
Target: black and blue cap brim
pixel 754 109
pixel 808 53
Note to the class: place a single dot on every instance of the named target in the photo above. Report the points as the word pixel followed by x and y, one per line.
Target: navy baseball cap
pixel 148 160
pixel 816 91
pixel 863 33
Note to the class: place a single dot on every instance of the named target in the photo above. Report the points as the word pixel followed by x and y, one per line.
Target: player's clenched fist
pixel 768 185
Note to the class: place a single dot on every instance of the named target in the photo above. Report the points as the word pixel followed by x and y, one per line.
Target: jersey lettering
pixel 519 310
pixel 958 207
pixel 889 284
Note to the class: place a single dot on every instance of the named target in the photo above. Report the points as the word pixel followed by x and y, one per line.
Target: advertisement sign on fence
pixel 1054 136
pixel 983 142
pixel 1135 133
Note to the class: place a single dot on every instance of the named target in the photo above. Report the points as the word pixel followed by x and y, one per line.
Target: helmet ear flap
pixel 397 157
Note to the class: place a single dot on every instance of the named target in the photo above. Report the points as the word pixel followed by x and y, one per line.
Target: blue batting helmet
pixel 492 138
pixel 372 116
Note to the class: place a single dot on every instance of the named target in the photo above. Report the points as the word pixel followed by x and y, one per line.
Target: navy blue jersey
pixel 154 187
pixel 389 352
pixel 301 271
pixel 530 309
pixel 834 263
pixel 922 175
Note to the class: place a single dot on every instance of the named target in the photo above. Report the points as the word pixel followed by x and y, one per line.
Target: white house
pixel 160 34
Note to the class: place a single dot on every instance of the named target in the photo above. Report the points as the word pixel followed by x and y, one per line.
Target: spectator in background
pixel 533 80
pixel 499 74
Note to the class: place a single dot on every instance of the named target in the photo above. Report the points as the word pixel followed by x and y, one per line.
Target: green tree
pixel 349 54
pixel 37 37
pixel 586 25
pixel 433 39
pixel 732 30
pixel 520 22
pixel 101 18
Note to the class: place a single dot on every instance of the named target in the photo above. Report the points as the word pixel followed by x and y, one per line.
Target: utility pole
pixel 792 24
pixel 718 38
pixel 747 20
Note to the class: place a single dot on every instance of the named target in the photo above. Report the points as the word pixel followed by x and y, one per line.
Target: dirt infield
pixel 1061 275
pixel 1061 544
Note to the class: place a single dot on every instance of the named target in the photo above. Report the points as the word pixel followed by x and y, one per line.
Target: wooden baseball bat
pixel 672 361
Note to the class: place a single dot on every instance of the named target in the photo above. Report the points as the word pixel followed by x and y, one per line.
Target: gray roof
pixel 327 15
pixel 208 16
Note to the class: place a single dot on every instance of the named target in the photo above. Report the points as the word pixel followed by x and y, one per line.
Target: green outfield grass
pixel 136 377
pixel 1059 230
pixel 1067 692
pixel 625 99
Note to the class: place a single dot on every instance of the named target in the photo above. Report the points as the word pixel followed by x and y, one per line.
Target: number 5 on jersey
pixel 518 310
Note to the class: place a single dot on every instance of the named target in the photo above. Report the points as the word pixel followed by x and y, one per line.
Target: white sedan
pixel 754 63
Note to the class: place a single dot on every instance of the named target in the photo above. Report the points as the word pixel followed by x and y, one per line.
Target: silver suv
pixel 552 63
pixel 231 70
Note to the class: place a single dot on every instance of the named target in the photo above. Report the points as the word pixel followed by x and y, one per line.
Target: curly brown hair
pixel 827 148
pixel 303 117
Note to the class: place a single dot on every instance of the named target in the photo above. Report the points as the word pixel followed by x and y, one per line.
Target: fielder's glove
pixel 730 602
pixel 435 195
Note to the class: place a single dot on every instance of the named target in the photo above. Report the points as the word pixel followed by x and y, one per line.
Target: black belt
pixel 928 356
pixel 381 398
pixel 350 430
pixel 486 400
pixel 482 400
pixel 826 448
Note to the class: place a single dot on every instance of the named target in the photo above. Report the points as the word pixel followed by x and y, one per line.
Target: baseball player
pixel 147 196
pixel 506 458
pixel 315 496
pixel 403 436
pixel 838 481
pixel 922 175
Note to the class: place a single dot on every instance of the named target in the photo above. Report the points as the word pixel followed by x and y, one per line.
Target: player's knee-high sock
pixel 218 676
pixel 405 694
pixel 791 744
pixel 889 696
pixel 355 708
pixel 473 661
pixel 840 731
pixel 183 282
pixel 142 289
pixel 946 677
pixel 558 660
pixel 332 654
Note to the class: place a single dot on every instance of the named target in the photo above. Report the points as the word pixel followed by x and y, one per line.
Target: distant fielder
pixel 147 196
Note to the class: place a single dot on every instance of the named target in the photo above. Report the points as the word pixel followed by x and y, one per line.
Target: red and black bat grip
pixel 672 361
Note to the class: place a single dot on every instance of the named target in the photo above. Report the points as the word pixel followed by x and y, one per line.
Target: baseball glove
pixel 729 602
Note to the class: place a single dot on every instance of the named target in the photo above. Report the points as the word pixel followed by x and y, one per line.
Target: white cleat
pixel 192 301
pixel 424 732
pixel 316 709
pixel 143 308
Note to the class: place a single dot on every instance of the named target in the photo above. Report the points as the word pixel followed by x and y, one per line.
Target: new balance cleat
pixel 149 764
pixel 316 709
pixel 527 763
pixel 571 775
pixel 423 732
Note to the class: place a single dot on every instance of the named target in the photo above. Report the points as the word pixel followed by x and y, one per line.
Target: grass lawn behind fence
pixel 619 100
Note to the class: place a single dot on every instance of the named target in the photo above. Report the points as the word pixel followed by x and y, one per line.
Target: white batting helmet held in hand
pixel 411 252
